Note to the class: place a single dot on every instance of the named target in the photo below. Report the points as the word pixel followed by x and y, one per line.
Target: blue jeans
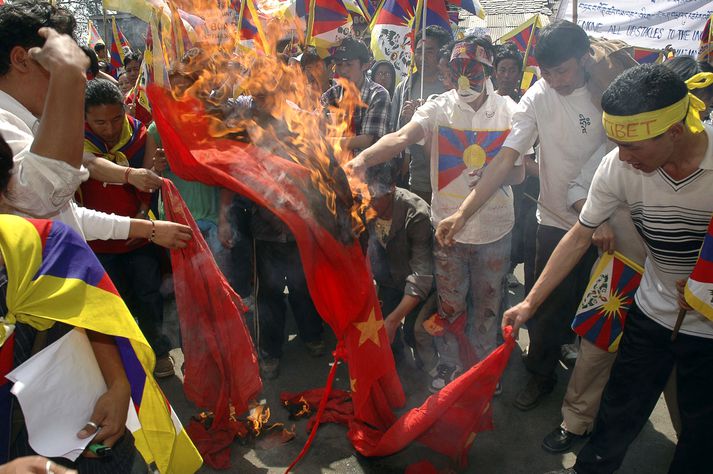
pixel 475 271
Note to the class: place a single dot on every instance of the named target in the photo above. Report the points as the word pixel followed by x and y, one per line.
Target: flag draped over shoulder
pixel 53 276
pixel 221 372
pixel 93 36
pixel 699 287
pixel 602 312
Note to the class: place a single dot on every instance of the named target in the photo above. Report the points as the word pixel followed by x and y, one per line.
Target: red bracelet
pixel 126 174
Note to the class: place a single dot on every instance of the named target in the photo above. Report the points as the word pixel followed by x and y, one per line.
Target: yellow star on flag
pixel 369 329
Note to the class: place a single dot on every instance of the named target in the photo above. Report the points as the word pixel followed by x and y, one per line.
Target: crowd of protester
pixel 442 246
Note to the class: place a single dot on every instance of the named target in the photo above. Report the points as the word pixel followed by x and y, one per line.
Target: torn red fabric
pixel 221 369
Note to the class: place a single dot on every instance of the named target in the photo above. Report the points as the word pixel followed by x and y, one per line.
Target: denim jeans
pixel 475 271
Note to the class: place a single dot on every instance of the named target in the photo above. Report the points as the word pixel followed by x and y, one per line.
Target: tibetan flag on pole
pixel 251 31
pixel 602 312
pixel 53 276
pixel 461 150
pixel 472 6
pixel 393 28
pixel 116 51
pixel 437 14
pixel 139 8
pixel 525 38
pixel 705 51
pixel 648 56
pixel 329 21
pixel 699 287
pixel 93 37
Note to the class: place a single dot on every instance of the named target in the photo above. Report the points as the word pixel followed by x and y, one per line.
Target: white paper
pixel 57 389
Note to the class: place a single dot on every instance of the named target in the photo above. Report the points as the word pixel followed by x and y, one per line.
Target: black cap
pixel 351 48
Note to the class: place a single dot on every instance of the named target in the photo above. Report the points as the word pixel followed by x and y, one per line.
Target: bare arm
pixel 393 320
pixel 387 147
pixel 359 142
pixel 60 134
pixel 105 171
pixel 149 152
pixel 564 258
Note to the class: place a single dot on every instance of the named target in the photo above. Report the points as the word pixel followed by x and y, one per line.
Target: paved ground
pixel 513 447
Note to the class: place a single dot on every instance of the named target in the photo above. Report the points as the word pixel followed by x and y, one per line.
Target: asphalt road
pixel 513 447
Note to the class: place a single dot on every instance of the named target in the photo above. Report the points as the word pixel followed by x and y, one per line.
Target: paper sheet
pixel 57 389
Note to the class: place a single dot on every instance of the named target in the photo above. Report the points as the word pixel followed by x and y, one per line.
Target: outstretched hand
pixel 172 235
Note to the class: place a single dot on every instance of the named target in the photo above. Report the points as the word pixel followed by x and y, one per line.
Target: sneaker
pixel 512 281
pixel 445 374
pixel 315 348
pixel 498 389
pixel 164 367
pixel 270 368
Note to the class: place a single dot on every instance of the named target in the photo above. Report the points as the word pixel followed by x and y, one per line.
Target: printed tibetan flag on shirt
pixel 329 22
pixel 53 276
pixel 461 150
pixel 648 56
pixel 699 287
pixel 602 312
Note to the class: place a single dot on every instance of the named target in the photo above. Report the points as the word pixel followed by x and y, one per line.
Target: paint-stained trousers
pixel 474 270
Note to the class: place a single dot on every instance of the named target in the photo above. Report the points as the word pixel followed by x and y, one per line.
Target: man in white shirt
pixel 466 127
pixel 560 111
pixel 663 171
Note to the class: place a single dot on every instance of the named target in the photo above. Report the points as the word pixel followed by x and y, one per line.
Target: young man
pixel 133 265
pixel 663 171
pixel 460 124
pixel 401 253
pixel 558 109
pixel 132 69
pixel 407 98
pixel 369 123
pixel 508 71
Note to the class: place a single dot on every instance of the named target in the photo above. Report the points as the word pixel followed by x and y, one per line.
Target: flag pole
pixel 105 28
pixel 574 11
pixel 424 14
pixel 679 322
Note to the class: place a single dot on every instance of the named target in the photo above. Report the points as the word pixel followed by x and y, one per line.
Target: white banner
pixel 645 23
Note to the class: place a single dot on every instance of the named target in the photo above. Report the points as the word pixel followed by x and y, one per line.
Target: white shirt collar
pixel 10 104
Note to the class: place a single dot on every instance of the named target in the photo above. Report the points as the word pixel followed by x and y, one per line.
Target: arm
pixel 111 409
pixel 387 147
pixel 393 320
pixel 149 152
pixel 359 142
pixel 60 135
pixel 104 170
pixel 565 256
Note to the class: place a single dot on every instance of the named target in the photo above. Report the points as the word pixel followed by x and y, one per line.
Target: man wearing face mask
pixel 466 127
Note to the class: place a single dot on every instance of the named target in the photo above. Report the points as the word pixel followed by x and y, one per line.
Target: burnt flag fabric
pixel 461 150
pixel 699 287
pixel 602 312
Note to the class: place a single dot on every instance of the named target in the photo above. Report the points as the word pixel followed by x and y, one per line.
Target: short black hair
pixel 102 92
pixel 560 41
pixel 440 34
pixel 6 163
pixel 480 41
pixel 507 51
pixel 20 21
pixel 98 47
pixel 643 88
pixel 446 51
pixel 384 174
pixel 309 57
pixel 132 56
pixel 686 66
pixel 93 60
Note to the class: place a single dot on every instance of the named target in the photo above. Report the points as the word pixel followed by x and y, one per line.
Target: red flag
pixel 221 371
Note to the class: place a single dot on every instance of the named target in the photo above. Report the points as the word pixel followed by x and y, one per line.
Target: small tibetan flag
pixel 459 150
pixel 602 312
pixel 93 36
pixel 648 56
pixel 699 288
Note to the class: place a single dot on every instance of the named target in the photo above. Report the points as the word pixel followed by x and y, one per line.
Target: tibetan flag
pixel 251 31
pixel 472 6
pixel 155 53
pixel 459 150
pixel 647 55
pixel 53 276
pixel 525 38
pixel 705 51
pixel 329 21
pixel 392 33
pixel 93 36
pixel 437 14
pixel 139 8
pixel 699 287
pixel 116 51
pixel 602 312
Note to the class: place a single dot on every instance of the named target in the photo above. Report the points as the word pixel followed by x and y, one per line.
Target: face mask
pixel 470 78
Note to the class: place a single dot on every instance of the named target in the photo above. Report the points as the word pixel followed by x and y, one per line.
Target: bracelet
pixel 126 174
pixel 153 232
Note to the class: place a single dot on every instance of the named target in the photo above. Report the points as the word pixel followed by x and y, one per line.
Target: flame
pixel 289 119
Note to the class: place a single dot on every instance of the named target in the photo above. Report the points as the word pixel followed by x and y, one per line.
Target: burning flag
pixel 602 312
pixel 699 287
pixel 465 149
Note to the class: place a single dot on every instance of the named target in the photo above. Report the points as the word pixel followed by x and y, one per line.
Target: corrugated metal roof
pixel 502 16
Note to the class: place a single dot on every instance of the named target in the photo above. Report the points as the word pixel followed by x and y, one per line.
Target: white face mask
pixel 467 93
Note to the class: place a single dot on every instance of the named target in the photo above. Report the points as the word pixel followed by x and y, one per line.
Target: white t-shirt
pixel 461 140
pixel 570 131
pixel 42 187
pixel 671 216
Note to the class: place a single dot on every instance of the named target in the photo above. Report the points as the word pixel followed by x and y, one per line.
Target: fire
pixel 286 116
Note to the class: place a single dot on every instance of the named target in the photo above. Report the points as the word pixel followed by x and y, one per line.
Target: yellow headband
pixel 634 128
